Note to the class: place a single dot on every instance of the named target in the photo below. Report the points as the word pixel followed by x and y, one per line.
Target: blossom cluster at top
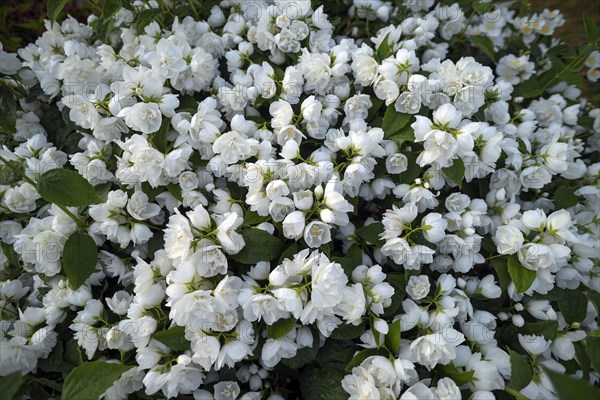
pixel 400 202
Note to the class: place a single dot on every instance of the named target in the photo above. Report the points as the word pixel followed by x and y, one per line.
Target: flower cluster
pixel 275 199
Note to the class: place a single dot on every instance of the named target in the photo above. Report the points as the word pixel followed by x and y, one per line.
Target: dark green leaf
pixel 547 329
pixel 67 188
pixel 260 246
pixel 528 89
pixel 591 29
pixel 281 327
pixel 252 218
pixel 348 331
pixel 145 17
pixel 593 351
pixel 456 172
pixel 362 355
pixel 11 255
pixel 484 44
pixel 173 337
pixel 459 377
pixel 55 7
pixel 521 276
pixel 569 388
pixel 8 176
pixel 305 355
pixel 8 105
pixel 175 191
pixel 336 351
pixel 392 338
pixel 79 258
pixel 370 233
pixel 521 373
pixel 564 197
pixel 159 139
pixel 91 379
pixel 393 122
pixel 289 253
pixel 10 385
pixel 351 260
pixel 501 268
pixel 573 305
pixel 384 50
pixel 323 383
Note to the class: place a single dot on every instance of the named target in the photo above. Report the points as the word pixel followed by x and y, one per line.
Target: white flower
pixel 317 233
pixel 293 225
pixel 434 226
pixel 534 344
pixel 447 390
pixel 536 256
pixel 232 147
pixel 142 117
pixel 509 239
pixel 328 281
pixel 418 287
pixel 396 163
pixel 436 348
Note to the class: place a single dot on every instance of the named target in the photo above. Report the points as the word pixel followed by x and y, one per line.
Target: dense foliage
pixel 363 199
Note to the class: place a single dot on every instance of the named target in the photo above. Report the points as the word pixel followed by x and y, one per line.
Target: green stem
pixel 516 394
pixel 572 64
pixel 193 7
pixel 81 223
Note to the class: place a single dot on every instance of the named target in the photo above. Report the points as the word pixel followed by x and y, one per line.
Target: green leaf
pixel 362 356
pixel 370 233
pixel 351 260
pixel 8 105
pixel 456 172
pixel 10 385
pixel 11 255
pixel 55 7
pixel 393 122
pixel 252 218
pixel 324 383
pixel 281 327
pixel 92 379
pixel 289 253
pixel 547 329
pixel 569 388
pixel 304 355
pixel 501 268
pixel 260 246
pixel 521 276
pixel 593 351
pixel 459 377
pixel 413 169
pixel 159 139
pixel 336 351
pixel 175 191
pixel 384 50
pixel 521 373
pixel 67 188
pixel 564 197
pixel 348 331
pixel 528 89
pixel 573 305
pixel 484 44
pixel 145 17
pixel 79 258
pixel 8 176
pixel 392 339
pixel 173 337
pixel 591 29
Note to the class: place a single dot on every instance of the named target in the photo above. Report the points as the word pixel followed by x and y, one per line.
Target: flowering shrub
pixel 273 199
